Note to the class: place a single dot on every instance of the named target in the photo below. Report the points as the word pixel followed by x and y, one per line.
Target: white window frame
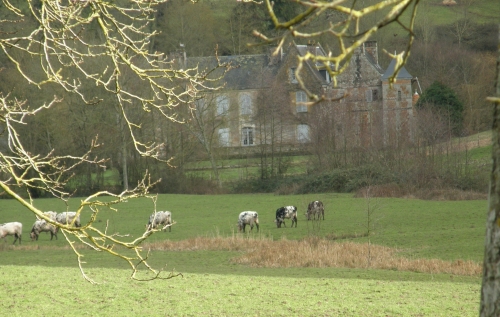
pixel 222 105
pixel 245 104
pixel 247 136
pixel 300 100
pixel 303 133
pixel 223 137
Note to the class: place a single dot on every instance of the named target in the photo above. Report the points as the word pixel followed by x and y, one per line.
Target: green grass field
pixel 44 274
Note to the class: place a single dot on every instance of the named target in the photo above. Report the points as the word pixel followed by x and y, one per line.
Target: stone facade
pixel 262 102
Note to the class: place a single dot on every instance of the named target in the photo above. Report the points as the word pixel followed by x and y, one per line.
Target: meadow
pixel 226 273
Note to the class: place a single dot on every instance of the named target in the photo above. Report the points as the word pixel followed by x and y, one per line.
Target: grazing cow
pixel 160 218
pixel 51 214
pixel 43 226
pixel 11 229
pixel 66 218
pixel 288 212
pixel 315 208
pixel 250 218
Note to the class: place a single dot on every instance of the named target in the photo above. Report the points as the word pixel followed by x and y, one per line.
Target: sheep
pixel 162 218
pixel 66 218
pixel 288 212
pixel 315 208
pixel 250 218
pixel 43 226
pixel 11 229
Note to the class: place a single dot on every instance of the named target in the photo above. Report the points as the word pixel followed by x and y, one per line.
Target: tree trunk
pixel 490 290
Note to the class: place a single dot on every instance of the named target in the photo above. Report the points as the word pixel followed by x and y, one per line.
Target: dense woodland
pixel 455 59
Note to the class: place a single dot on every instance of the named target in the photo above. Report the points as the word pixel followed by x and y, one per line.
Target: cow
pixel 315 208
pixel 51 214
pixel 288 212
pixel 250 218
pixel 160 218
pixel 66 218
pixel 11 229
pixel 43 226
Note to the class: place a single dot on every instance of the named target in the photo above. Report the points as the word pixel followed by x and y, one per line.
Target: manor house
pixel 262 103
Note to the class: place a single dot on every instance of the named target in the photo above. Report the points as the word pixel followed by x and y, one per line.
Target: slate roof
pixel 403 73
pixel 246 74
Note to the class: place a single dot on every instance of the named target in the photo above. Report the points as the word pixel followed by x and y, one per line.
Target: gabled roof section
pixel 315 49
pixel 403 73
pixel 246 74
pixel 372 61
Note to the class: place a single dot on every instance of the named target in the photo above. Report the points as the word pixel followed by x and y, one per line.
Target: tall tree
pixel 77 44
pixel 490 290
pixel 444 100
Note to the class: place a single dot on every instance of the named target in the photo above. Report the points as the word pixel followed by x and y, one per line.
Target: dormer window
pixel 325 75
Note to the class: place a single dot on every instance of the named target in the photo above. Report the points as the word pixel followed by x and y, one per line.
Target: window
pixel 224 137
pixel 368 95
pixel 371 95
pixel 293 79
pixel 245 104
pixel 300 100
pixel 247 136
pixel 303 133
pixel 199 107
pixel 399 95
pixel 326 75
pixel 222 105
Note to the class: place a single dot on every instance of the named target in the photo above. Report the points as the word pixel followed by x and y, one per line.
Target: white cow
pixel 250 218
pixel 160 218
pixel 67 217
pixel 11 229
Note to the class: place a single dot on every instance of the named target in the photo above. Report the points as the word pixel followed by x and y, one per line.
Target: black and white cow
pixel 288 212
pixel 250 218
pixel 315 208
pixel 43 226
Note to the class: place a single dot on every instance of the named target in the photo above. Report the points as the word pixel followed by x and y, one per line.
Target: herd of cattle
pixel 251 218
pixel 162 219
pixel 16 228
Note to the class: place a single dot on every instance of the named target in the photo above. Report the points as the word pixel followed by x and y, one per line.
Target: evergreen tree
pixel 444 100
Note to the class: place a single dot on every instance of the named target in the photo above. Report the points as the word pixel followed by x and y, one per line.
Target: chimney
pixel 311 47
pixel 370 48
pixel 276 58
pixel 183 51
